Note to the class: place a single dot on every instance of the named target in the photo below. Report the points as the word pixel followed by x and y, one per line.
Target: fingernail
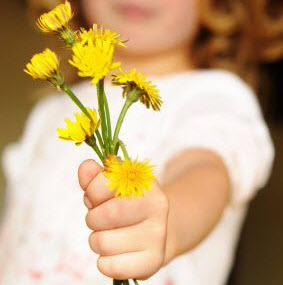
pixel 87 202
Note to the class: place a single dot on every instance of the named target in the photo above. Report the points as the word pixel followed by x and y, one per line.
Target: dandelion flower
pixel 107 34
pixel 56 19
pixel 84 35
pixel 94 59
pixel 102 34
pixel 110 160
pixel 45 65
pixel 130 177
pixel 81 129
pixel 148 94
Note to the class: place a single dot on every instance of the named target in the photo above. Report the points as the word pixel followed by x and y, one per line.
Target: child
pixel 209 142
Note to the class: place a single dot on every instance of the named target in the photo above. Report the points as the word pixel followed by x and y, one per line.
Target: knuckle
pixel 111 268
pixel 103 244
pixel 102 267
pixel 87 202
pixel 89 219
pixel 116 270
pixel 92 243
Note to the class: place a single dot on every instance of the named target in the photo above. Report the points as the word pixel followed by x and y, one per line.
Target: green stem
pixel 100 95
pixel 126 106
pixel 124 150
pixel 126 282
pixel 135 281
pixel 75 99
pixel 92 143
pixel 117 282
pixel 116 148
pixel 108 122
pixel 98 135
pixel 96 149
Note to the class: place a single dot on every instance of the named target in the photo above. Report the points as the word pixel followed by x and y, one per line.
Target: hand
pixel 128 234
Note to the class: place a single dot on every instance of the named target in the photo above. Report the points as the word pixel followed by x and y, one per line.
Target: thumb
pixel 88 170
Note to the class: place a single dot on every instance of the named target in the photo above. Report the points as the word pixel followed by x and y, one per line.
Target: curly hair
pixel 237 35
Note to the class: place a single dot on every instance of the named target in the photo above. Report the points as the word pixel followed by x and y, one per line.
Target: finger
pixel 117 241
pixel 98 190
pixel 134 265
pixel 116 213
pixel 87 202
pixel 87 171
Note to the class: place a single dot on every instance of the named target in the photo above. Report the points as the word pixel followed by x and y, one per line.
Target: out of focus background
pixel 260 254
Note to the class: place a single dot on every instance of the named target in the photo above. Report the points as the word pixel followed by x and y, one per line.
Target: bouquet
pixel 93 53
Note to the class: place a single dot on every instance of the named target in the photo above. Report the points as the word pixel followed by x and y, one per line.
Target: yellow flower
pixel 104 35
pixel 85 35
pixel 130 177
pixel 148 94
pixel 110 160
pixel 107 34
pixel 94 59
pixel 82 129
pixel 56 19
pixel 43 65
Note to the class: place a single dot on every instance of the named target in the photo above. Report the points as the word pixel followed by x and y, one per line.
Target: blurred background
pixel 260 252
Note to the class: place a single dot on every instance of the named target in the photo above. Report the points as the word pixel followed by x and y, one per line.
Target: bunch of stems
pixel 105 142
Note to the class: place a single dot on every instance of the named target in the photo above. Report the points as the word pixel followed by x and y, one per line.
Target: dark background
pixel 260 254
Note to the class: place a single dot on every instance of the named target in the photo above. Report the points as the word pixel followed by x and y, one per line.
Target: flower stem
pixel 75 99
pixel 108 122
pixel 126 106
pixel 98 135
pixel 124 150
pixel 135 281
pixel 100 96
pixel 96 149
pixel 117 282
pixel 116 148
pixel 92 142
pixel 126 282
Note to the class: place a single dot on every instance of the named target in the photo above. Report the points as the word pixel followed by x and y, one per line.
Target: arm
pixel 197 187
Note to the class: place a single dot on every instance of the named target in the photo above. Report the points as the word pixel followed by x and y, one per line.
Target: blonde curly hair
pixel 236 35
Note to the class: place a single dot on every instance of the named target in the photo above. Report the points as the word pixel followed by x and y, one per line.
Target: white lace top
pixel 44 239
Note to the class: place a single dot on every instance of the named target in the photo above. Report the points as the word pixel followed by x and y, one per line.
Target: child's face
pixel 151 25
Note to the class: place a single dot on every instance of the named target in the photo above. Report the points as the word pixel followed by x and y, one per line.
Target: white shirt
pixel 44 239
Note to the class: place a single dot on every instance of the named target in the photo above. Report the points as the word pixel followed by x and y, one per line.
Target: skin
pixel 152 230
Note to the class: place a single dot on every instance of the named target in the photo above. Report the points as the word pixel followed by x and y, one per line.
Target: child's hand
pixel 128 234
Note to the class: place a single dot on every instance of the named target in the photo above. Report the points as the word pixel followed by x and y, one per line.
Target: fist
pixel 128 234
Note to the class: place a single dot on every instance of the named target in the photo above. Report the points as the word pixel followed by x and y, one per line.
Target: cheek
pixel 180 20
